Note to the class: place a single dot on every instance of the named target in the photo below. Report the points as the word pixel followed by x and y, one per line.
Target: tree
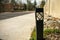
pixel 1 6
pixel 29 5
pixel 25 6
pixel 42 4
pixel 5 1
pixel 34 4
pixel 1 1
pixel 13 2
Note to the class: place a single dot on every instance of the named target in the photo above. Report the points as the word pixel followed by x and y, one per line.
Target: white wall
pixel 54 8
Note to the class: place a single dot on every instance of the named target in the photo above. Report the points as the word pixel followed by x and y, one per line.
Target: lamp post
pixel 39 23
pixel 39 16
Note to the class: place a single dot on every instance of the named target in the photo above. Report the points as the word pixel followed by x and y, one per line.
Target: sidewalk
pixel 17 28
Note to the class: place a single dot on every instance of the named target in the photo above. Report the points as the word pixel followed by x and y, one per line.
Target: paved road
pixel 7 15
pixel 17 28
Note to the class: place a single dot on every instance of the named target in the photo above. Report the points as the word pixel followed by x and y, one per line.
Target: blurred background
pixel 19 5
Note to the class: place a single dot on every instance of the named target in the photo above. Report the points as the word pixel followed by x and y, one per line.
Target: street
pixel 16 26
pixel 6 15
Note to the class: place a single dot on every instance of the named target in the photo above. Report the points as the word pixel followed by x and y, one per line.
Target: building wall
pixel 52 7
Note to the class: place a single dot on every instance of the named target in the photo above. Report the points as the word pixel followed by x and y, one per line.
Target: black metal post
pixel 39 15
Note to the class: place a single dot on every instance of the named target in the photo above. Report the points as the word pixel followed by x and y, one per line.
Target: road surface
pixel 7 15
pixel 17 27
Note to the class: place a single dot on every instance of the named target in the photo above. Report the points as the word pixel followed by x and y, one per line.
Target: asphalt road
pixel 18 27
pixel 7 15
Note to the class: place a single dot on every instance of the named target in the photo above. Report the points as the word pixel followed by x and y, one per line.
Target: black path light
pixel 39 15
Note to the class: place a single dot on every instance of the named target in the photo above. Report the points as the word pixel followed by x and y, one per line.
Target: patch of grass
pixel 49 31
pixel 33 35
pixel 45 33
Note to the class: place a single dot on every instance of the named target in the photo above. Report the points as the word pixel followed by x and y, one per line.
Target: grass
pixel 33 35
pixel 49 31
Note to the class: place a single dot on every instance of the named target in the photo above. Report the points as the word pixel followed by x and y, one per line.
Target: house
pixel 6 6
pixel 52 7
pixel 19 7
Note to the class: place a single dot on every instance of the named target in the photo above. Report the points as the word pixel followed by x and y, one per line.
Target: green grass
pixel 33 35
pixel 49 31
